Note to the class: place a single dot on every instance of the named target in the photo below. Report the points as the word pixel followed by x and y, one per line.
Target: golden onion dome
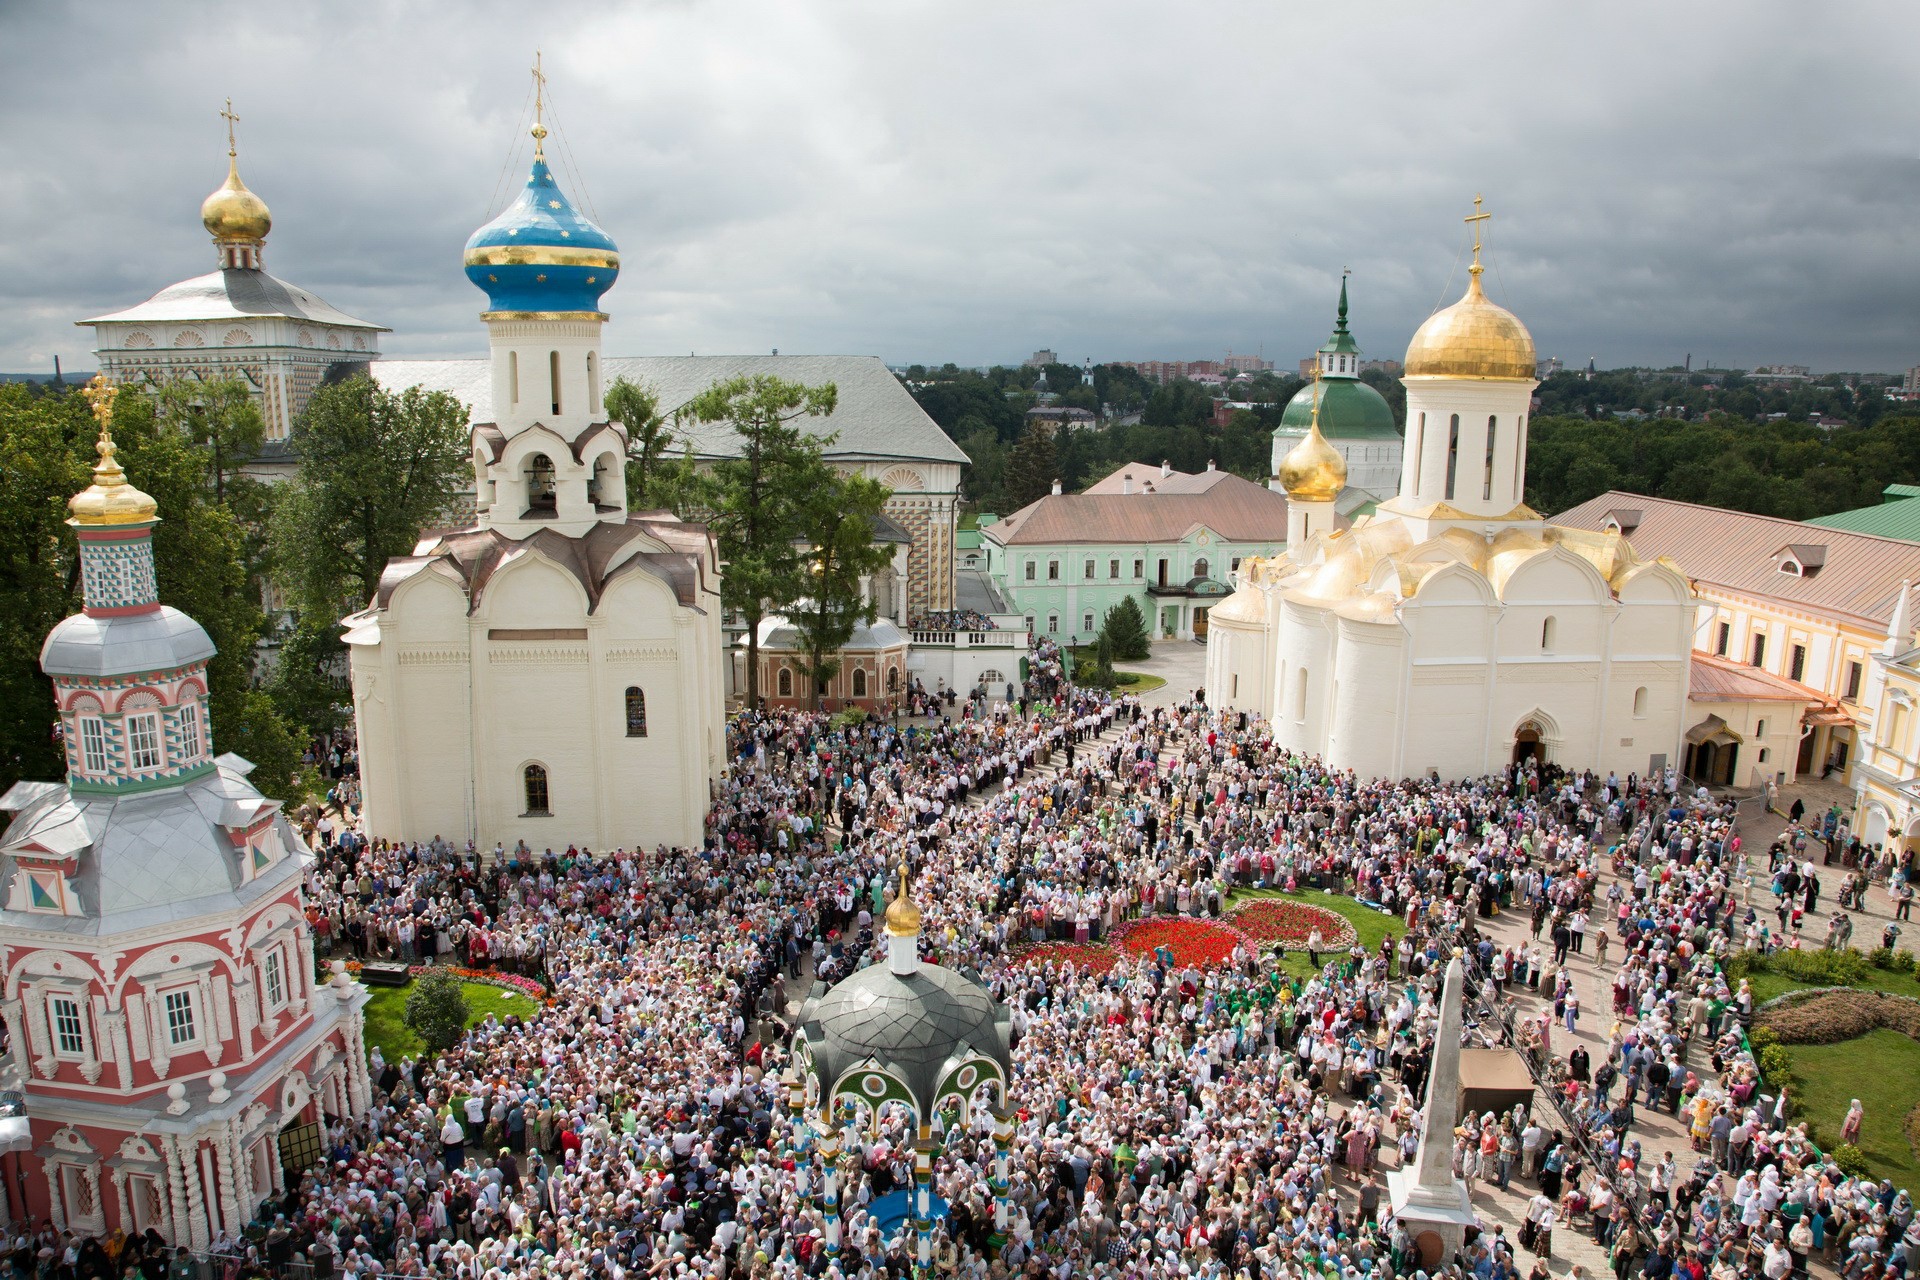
pixel 1313 470
pixel 1473 338
pixel 233 212
pixel 109 499
pixel 903 918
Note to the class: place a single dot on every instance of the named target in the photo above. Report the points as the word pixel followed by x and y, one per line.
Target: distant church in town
pixel 553 672
pixel 1454 630
pixel 177 1056
pixel 1355 419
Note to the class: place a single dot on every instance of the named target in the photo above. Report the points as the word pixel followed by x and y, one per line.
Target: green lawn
pixel 1882 1069
pixel 1768 985
pixel 386 1026
pixel 1136 682
pixel 1371 925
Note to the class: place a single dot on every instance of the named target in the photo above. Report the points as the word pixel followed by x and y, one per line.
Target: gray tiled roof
pixel 876 417
pixel 165 638
pixel 149 858
pixel 912 1025
pixel 231 295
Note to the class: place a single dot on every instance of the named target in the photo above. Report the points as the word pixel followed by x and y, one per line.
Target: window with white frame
pixel 274 970
pixel 182 1029
pixel 1089 573
pixel 1053 622
pixel 143 740
pixel 93 744
pixel 1086 621
pixel 69 1036
pixel 190 747
pixel 1030 570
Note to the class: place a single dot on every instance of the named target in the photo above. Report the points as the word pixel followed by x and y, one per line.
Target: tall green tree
pixel 1031 467
pixel 221 420
pixel 754 499
pixel 837 520
pixel 1123 632
pixel 40 468
pixel 376 469
pixel 636 406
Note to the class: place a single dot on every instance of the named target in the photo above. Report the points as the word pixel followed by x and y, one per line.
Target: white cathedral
pixel 1454 631
pixel 553 673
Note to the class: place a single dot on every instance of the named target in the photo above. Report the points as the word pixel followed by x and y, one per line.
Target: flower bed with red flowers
pixel 1087 957
pixel 1292 923
pixel 1193 942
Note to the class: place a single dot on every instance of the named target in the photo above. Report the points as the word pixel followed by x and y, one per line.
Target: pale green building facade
pixel 1169 540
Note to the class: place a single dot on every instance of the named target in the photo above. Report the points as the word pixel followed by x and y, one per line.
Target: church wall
pixel 1446 722
pixel 1364 699
pixel 1304 649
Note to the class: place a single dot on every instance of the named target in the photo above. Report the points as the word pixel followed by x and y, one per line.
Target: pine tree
pixel 1124 631
pixel 1032 466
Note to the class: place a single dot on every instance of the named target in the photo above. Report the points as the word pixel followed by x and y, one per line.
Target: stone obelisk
pixel 1432 1203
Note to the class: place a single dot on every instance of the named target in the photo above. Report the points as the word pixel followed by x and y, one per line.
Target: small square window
pixel 68 1037
pixel 143 740
pixel 181 1027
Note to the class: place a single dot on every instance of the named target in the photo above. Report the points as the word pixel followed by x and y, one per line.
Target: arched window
pixel 1300 698
pixel 553 375
pixel 593 383
pixel 1546 633
pixel 1640 702
pixel 1200 567
pixel 1453 454
pixel 636 711
pixel 513 375
pixel 991 677
pixel 859 682
pixel 540 492
pixel 535 778
pixel 599 490
pixel 1419 442
pixel 893 679
pixel 784 682
pixel 1486 486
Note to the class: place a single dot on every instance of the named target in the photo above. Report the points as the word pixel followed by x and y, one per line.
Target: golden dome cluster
pixel 1313 470
pixel 109 499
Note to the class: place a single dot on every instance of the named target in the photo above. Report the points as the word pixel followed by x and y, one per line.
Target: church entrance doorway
pixel 1526 743
pixel 1199 624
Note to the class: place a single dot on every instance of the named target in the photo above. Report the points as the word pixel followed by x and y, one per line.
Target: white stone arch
pixel 1876 821
pixel 637 602
pixel 606 447
pixel 421 596
pixel 1519 586
pixel 1655 583
pixel 538 438
pixel 1548 729
pixel 529 559
pixel 170 958
pixel 50 963
pixel 1455 582
pixel 267 921
pixel 904 480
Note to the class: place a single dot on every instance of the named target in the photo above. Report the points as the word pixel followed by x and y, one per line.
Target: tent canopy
pixel 1494 1080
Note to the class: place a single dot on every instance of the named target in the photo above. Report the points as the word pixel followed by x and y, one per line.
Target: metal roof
pixel 83 645
pixel 1236 509
pixel 876 416
pixel 1899 518
pixel 1857 583
pixel 1712 678
pixel 231 295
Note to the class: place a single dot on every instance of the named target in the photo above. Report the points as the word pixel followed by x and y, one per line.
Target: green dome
pixel 1349 410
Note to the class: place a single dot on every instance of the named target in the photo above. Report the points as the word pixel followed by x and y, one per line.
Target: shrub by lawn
pixel 386 1015
pixel 1136 682
pixel 1881 1069
pixel 1783 971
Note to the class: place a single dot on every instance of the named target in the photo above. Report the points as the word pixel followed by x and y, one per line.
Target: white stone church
pixel 552 674
pixel 1455 631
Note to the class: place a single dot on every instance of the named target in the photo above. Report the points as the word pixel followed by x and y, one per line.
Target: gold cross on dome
pixel 1474 220
pixel 231 120
pixel 539 109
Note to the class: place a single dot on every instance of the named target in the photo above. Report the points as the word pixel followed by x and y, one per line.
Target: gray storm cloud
pixel 929 182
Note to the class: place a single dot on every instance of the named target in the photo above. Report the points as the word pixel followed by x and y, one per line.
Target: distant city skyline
pixel 1121 181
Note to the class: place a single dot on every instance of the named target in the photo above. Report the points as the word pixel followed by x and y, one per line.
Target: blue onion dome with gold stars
pixel 542 255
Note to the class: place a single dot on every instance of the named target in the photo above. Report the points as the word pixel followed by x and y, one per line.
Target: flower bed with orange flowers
pixel 1292 923
pixel 1192 942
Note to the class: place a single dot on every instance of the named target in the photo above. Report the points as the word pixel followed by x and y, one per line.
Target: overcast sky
pixel 971 181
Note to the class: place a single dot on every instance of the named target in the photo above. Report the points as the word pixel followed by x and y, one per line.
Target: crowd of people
pixel 1172 1120
pixel 952 620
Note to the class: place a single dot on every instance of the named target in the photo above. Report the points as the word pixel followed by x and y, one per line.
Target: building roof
pixel 232 295
pixel 1236 509
pixel 1712 678
pixel 1163 479
pixel 875 417
pixel 1349 410
pixel 1897 518
pixel 779 635
pixel 1857 583
pixel 148 858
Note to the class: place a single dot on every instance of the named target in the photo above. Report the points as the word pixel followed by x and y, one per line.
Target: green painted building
pixel 1168 539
